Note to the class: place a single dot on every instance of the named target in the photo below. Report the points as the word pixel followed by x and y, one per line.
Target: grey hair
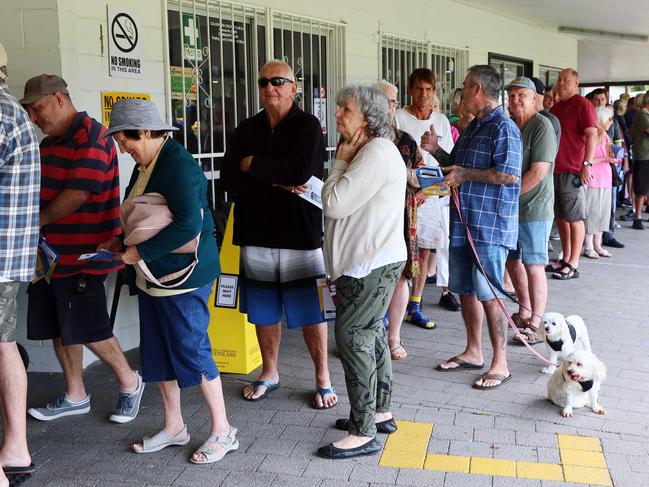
pixel 487 77
pixel 279 62
pixel 384 86
pixel 373 105
pixel 604 114
pixel 619 106
pixel 645 99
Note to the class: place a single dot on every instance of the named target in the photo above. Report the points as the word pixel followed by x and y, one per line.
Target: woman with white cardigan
pixel 365 251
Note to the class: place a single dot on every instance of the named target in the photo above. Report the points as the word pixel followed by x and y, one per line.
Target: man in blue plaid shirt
pixel 486 166
pixel 19 211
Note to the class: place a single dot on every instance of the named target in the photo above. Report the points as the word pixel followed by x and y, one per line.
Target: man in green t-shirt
pixel 640 134
pixel 526 264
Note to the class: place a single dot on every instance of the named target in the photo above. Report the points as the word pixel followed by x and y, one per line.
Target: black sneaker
pixel 431 279
pixel 628 216
pixel 637 225
pixel 449 302
pixel 612 242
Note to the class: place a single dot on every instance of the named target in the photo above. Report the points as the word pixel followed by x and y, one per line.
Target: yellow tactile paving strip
pixel 582 460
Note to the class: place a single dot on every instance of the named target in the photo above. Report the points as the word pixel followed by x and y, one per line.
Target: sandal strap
pixel 220 440
pixel 325 391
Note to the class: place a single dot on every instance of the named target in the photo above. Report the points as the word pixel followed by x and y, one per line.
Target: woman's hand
pixel 112 245
pixel 299 189
pixel 420 198
pixel 131 256
pixel 347 150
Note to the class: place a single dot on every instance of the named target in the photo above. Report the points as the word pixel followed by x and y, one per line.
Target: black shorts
pixel 70 308
pixel 641 178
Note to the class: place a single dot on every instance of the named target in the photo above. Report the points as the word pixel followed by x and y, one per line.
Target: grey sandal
pixel 227 443
pixel 162 440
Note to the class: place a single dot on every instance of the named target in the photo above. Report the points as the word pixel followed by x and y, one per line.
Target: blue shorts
pixel 277 282
pixel 465 278
pixel 174 344
pixel 532 247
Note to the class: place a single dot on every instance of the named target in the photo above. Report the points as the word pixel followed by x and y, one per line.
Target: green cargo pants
pixel 362 343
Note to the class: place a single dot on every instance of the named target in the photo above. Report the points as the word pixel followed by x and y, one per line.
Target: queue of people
pixel 514 174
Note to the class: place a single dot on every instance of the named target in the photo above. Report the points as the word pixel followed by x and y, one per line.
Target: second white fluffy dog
pixel 577 382
pixel 563 336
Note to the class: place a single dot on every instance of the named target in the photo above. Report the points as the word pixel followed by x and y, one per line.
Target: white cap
pixel 3 63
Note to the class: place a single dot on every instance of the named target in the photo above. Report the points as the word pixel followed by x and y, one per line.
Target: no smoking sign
pixel 124 60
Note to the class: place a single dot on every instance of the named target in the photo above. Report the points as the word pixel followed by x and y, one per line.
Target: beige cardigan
pixel 363 204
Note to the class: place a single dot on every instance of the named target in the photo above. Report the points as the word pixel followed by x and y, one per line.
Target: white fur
pixel 556 328
pixel 564 389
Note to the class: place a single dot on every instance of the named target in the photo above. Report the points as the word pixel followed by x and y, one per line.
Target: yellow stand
pixel 234 341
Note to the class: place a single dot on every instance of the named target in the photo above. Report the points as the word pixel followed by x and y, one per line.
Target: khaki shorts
pixel 8 293
pixel 569 201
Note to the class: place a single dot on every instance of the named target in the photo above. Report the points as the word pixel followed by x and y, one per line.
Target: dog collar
pixel 556 346
pixel 586 385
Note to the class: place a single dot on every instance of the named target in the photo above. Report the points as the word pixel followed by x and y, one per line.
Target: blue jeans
pixel 174 344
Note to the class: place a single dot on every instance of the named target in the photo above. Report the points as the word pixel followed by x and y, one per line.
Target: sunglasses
pixel 275 81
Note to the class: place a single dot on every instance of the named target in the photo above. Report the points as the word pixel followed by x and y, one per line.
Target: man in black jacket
pixel 269 161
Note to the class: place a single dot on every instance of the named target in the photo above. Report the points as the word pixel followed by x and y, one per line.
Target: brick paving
pixel 279 436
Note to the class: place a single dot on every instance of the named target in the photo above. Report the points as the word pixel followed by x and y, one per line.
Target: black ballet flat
pixel 388 426
pixel 372 447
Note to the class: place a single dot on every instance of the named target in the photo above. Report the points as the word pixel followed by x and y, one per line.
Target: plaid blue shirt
pixel 20 178
pixel 490 210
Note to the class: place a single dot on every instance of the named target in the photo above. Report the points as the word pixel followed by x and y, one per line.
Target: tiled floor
pixel 507 437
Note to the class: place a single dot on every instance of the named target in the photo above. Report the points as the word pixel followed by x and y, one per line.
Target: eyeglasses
pixel 275 81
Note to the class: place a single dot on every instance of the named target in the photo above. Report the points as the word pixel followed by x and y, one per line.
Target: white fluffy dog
pixel 563 336
pixel 576 384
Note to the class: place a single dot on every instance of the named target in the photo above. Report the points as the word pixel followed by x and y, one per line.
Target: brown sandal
pixel 532 336
pixel 520 323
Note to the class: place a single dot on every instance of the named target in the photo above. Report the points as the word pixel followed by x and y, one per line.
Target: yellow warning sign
pixel 108 98
pixel 234 340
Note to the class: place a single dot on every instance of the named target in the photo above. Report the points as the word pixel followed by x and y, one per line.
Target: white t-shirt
pixel 416 128
pixel 432 226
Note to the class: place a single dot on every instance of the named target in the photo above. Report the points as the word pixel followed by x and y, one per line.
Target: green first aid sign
pixel 191 38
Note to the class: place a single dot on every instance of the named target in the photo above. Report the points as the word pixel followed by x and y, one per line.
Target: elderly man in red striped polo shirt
pixel 80 202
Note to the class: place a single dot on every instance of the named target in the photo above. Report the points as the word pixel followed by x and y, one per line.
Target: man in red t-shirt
pixel 572 170
pixel 79 210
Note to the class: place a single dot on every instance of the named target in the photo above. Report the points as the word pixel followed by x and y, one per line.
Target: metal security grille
pixel 214 52
pixel 400 56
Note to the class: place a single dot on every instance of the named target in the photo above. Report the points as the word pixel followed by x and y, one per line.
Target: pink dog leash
pixel 502 306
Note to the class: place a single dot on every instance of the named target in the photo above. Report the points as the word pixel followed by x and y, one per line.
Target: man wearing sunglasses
pixel 269 160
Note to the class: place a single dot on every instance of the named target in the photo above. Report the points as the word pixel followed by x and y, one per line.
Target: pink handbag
pixel 143 217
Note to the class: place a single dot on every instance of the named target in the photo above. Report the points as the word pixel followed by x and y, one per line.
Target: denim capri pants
pixel 174 344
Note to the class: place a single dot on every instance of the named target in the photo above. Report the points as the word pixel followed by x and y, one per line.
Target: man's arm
pixel 457 175
pixel 66 203
pixel 534 176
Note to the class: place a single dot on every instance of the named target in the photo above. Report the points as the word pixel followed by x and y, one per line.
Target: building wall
pixel 69 38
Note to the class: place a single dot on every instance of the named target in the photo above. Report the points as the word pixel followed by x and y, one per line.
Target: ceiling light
pixel 603 33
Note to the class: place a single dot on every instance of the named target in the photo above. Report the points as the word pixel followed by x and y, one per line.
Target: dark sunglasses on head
pixel 275 81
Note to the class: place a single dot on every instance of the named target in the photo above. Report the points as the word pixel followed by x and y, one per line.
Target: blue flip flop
pixel 324 391
pixel 270 387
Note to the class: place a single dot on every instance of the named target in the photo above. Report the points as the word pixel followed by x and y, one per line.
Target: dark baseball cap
pixel 43 85
pixel 540 87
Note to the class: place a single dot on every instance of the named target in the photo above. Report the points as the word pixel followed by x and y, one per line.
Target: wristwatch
pixel 587 163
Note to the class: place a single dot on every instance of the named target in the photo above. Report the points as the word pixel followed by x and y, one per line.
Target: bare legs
pixel 109 351
pixel 173 418
pixel 13 398
pixel 396 311
pixel 531 287
pixel 315 337
pixel 572 237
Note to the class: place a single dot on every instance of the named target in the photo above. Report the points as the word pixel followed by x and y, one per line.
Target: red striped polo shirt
pixel 81 159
